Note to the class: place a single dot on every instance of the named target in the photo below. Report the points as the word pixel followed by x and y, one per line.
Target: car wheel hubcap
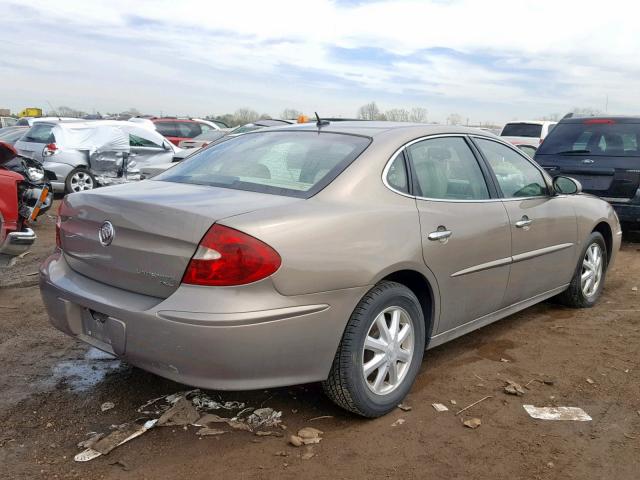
pixel 388 350
pixel 591 270
pixel 81 181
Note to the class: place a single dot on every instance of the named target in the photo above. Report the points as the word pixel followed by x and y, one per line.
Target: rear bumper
pixel 627 212
pixel 234 346
pixel 16 243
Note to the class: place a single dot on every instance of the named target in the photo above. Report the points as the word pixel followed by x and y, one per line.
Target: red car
pixel 178 129
pixel 15 237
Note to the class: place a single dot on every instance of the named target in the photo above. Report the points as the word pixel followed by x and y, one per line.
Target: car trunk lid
pixel 157 227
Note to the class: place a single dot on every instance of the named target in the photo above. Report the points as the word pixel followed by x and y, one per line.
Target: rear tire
pixel 79 180
pixel 396 350
pixel 588 280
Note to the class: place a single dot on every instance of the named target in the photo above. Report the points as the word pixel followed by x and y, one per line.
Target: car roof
pixel 534 122
pixel 613 118
pixel 374 128
pixel 185 120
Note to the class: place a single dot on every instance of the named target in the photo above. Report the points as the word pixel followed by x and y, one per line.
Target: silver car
pixel 336 252
pixel 65 149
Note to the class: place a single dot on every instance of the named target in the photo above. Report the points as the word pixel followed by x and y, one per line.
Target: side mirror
pixel 566 186
pixel 166 145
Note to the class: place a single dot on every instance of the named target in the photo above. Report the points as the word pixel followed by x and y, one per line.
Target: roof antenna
pixel 319 122
pixel 55 113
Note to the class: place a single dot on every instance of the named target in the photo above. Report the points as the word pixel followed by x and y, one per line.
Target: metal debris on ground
pixel 558 413
pixel 116 438
pixel 453 402
pixel 185 408
pixel 439 407
pixel 400 421
pixel 472 423
pixel 322 417
pixel 306 436
pixel 513 388
pixel 505 360
pixel 405 408
pixel 590 381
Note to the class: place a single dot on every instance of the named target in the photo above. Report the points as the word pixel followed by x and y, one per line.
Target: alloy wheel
pixel 81 181
pixel 388 350
pixel 592 267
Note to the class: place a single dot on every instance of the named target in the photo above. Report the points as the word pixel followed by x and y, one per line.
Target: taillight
pixel 227 257
pixel 599 121
pixel 49 149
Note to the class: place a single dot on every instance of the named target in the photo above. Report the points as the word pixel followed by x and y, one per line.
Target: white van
pixel 527 132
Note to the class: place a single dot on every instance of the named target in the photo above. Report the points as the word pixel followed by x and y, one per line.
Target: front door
pixel 543 226
pixel 465 232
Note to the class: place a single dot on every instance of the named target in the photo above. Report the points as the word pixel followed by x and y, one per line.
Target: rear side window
pixel 188 129
pixel 397 177
pixel 296 164
pixel 593 137
pixel 531 130
pixel 168 129
pixel 516 175
pixel 445 168
pixel 40 133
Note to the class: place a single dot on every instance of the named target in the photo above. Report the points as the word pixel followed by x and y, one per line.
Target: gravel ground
pixel 52 388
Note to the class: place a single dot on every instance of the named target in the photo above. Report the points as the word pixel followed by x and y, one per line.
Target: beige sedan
pixel 336 252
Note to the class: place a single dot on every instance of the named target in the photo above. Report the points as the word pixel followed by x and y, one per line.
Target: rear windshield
pixel 522 130
pixel 297 164
pixel 40 133
pixel 594 139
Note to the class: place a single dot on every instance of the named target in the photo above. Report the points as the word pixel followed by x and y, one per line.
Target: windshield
pixel 531 130
pixel 592 138
pixel 295 163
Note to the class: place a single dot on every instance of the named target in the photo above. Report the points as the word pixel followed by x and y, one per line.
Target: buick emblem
pixel 106 233
pixel 588 161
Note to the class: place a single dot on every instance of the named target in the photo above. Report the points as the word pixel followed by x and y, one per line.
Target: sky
pixel 488 61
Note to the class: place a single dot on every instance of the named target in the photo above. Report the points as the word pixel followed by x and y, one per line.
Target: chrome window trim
pixel 395 154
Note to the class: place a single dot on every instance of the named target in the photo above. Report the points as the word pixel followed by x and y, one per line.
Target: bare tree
pixel 69 112
pixel 418 115
pixel 265 116
pixel 370 111
pixel 397 115
pixel 589 111
pixel 552 117
pixel 290 114
pixel 454 119
pixel 245 115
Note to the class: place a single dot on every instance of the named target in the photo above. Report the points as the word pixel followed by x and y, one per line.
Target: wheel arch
pixel 423 289
pixel 604 229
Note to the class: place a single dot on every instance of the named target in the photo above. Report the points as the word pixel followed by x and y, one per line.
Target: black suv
pixel 603 154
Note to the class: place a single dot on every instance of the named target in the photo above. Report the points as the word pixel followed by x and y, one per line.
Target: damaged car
pixel 79 156
pixel 335 252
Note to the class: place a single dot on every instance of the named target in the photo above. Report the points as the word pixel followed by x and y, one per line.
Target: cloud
pixel 491 60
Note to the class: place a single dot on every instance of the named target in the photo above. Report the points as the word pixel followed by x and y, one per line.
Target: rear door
pixel 543 226
pixel 602 154
pixel 465 232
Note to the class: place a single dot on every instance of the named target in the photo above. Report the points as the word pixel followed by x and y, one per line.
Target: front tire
pixel 380 352
pixel 588 280
pixel 79 180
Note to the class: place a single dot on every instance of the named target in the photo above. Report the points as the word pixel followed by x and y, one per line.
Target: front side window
pixel 517 177
pixel 283 163
pixel 136 141
pixel 445 168
pixel 188 129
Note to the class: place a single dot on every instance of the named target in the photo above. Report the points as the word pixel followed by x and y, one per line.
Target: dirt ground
pixel 51 389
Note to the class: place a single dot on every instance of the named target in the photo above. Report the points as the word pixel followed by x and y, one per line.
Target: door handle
pixel 524 222
pixel 441 235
